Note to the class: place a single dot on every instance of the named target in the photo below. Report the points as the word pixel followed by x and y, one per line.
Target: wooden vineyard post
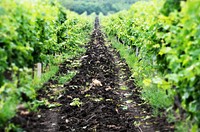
pixel 39 70
pixel 137 51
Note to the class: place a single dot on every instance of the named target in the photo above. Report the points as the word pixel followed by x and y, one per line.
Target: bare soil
pixel 109 101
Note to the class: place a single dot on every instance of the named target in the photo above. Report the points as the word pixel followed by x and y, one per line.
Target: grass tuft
pixel 141 70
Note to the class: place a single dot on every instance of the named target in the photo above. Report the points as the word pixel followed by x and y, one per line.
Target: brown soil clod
pixel 105 106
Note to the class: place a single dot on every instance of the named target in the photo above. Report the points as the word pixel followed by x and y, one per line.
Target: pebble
pixel 67 121
pixel 53 124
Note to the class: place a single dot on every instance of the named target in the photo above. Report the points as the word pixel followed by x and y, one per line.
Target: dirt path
pixel 101 97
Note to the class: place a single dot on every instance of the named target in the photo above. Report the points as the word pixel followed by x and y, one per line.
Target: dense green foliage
pixel 102 6
pixel 170 6
pixel 162 38
pixel 156 97
pixel 31 32
pixel 168 55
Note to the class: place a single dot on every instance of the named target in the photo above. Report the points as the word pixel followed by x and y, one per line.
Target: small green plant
pixel 136 123
pixel 32 106
pixel 53 105
pixel 67 77
pixel 124 107
pixel 52 71
pixel 76 102
pixel 124 88
pixel 12 127
pixel 155 96
pixel 87 95
pixel 97 99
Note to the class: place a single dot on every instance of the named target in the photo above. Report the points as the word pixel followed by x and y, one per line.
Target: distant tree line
pixel 97 6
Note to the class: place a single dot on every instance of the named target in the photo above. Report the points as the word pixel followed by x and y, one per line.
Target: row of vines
pixel 31 32
pixel 166 40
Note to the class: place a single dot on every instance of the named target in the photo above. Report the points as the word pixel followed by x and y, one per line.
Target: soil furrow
pixel 101 97
pixel 95 84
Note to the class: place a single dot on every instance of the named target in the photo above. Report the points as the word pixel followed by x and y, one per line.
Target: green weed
pixel 124 88
pixel 67 77
pixel 37 83
pixel 12 128
pixel 155 96
pixel 76 102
